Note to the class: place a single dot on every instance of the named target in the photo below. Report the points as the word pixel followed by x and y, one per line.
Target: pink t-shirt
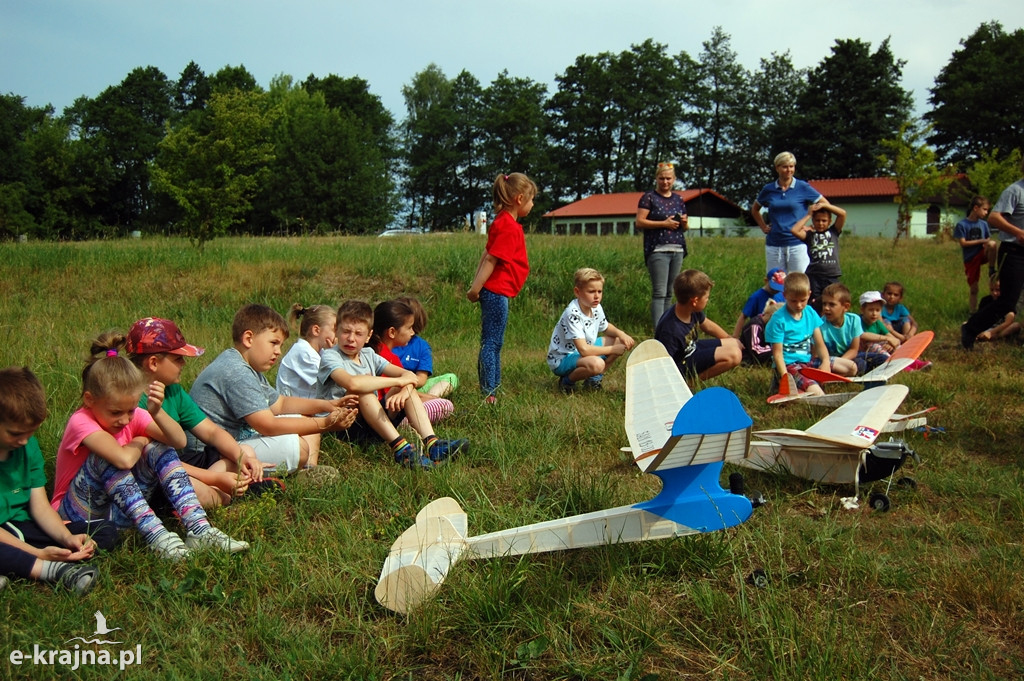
pixel 71 453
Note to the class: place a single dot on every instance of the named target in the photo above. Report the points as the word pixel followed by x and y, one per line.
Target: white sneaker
pixel 170 546
pixel 215 539
pixel 3 582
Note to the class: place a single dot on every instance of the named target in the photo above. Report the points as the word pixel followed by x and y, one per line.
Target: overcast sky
pixel 54 51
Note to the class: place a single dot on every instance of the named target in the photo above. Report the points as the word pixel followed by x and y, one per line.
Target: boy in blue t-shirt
pixel 795 335
pixel 974 236
pixel 842 331
pixel 895 314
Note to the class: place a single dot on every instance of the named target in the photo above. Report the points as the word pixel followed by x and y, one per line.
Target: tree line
pixel 207 155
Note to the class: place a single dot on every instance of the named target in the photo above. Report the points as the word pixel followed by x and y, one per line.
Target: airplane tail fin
pixel 787 390
pixel 421 557
pixel 655 390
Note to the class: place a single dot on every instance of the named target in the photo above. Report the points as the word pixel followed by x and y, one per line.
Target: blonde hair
pixel 508 187
pixel 314 315
pixel 585 275
pixel 797 282
pixel 355 311
pixel 785 158
pixel 108 371
pixel 662 167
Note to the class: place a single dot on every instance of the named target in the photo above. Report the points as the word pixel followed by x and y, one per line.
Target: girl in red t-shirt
pixel 501 273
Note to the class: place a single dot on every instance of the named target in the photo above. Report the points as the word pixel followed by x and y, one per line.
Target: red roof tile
pixel 855 187
pixel 620 204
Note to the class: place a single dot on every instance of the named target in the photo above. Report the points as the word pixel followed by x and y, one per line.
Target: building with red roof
pixel 601 214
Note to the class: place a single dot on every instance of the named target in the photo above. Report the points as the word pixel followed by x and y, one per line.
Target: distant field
pixel 931 590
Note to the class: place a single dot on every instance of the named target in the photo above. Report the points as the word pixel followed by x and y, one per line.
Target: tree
pixel 777 88
pixel 192 90
pixel 432 158
pixel 723 118
pixel 234 78
pixel 852 102
pixel 213 173
pixel 582 120
pixel 993 172
pixel 912 164
pixel 328 171
pixel 979 95
pixel 125 123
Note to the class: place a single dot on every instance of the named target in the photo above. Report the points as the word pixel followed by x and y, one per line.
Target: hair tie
pixel 112 352
pixel 506 178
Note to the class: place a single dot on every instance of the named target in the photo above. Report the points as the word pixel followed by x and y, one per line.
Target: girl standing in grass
pixel 501 273
pixel 297 373
pixel 106 464
pixel 393 326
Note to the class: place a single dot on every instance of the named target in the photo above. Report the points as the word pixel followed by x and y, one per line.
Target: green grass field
pixel 931 590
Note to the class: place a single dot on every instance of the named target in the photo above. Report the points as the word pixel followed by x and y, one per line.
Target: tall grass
pixel 931 590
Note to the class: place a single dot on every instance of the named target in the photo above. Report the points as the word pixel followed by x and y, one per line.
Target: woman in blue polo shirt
pixel 787 200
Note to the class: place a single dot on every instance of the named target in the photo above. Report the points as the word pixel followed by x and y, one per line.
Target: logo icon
pixel 101 630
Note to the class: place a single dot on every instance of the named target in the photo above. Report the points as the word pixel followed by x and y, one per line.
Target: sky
pixel 54 51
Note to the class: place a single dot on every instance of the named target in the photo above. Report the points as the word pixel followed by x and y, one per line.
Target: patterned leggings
pixel 102 491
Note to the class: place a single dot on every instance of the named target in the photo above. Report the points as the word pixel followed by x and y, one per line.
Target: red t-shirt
pixel 507 243
pixel 385 352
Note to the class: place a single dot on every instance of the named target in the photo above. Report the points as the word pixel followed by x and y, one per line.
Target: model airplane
pixel 903 357
pixel 839 449
pixel 692 500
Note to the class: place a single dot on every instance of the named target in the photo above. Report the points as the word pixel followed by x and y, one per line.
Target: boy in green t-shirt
pixel 227 469
pixel 876 334
pixel 34 541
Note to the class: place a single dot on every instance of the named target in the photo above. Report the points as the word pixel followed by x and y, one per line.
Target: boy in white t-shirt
pixel 577 351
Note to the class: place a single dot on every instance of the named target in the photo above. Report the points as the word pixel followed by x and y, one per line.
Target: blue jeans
pixel 493 320
pixel 789 258
pixel 664 268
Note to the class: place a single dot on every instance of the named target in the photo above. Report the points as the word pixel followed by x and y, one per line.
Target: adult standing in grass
pixel 787 200
pixel 661 214
pixel 501 273
pixel 1008 217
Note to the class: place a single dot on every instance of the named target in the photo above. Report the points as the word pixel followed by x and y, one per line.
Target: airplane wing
pixel 712 426
pixel 899 360
pixel 655 390
pixel 854 425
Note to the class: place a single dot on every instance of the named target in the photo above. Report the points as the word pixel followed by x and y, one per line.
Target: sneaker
pixel 318 474
pixel 408 457
pixel 490 399
pixel 3 582
pixel 214 539
pixel 566 386
pixel 593 383
pixel 966 339
pixel 443 450
pixel 264 486
pixel 170 546
pixel 920 365
pixel 76 577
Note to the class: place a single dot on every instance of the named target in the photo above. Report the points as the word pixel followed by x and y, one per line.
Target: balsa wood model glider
pixel 902 358
pixel 685 449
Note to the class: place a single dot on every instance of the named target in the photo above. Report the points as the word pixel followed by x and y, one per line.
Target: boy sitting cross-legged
pixel 352 370
pixel 236 395
pixel 795 335
pixel 842 331
pixel 678 330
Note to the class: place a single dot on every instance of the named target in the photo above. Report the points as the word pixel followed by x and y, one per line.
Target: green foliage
pixel 993 172
pixel 978 96
pixel 853 101
pixel 213 172
pixel 912 164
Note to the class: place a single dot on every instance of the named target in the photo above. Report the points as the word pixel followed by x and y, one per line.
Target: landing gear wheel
pixel 879 502
pixel 759 578
pixel 757 499
pixel 909 483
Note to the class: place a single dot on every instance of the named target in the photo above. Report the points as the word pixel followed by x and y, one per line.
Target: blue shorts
pixel 702 358
pixel 570 361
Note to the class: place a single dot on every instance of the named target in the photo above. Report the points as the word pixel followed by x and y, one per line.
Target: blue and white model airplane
pixel 707 430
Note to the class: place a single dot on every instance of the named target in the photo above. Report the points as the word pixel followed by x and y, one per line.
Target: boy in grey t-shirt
pixel 236 395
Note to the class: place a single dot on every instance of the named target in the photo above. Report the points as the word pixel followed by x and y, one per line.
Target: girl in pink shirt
pixel 114 454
